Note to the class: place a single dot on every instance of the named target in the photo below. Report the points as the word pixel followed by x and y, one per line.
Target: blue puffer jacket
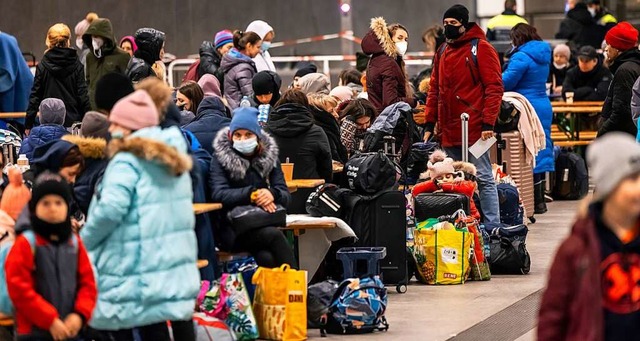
pixel 526 73
pixel 211 117
pixel 140 232
pixel 41 135
pixel 234 177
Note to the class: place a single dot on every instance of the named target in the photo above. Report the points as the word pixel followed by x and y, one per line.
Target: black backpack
pixel 511 212
pixel 326 201
pixel 508 118
pixel 572 177
pixel 319 299
pixel 370 173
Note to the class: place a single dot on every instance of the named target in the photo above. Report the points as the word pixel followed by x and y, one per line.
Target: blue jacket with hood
pixel 526 73
pixel 39 136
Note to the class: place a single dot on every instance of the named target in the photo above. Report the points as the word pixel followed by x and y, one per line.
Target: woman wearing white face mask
pixel 245 171
pixel 558 69
pixel 386 77
pixel 80 29
pixel 265 31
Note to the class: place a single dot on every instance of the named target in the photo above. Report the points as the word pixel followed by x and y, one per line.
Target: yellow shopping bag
pixel 280 303
pixel 443 255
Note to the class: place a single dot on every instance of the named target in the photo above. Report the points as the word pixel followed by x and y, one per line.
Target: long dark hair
pixel 359 108
pixel 241 39
pixel 293 96
pixel 523 33
pixel 193 92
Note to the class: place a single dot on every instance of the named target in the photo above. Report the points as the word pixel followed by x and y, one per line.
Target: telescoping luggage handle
pixel 465 136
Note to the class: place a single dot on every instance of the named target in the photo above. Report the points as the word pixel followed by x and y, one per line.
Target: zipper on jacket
pixel 467 104
pixel 473 76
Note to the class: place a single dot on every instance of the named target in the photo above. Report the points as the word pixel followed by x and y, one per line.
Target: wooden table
pixel 577 104
pixel 6 115
pixel 298 228
pixel 305 183
pixel 204 208
pixel 574 112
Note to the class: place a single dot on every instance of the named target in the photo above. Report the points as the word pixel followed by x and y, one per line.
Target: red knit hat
pixel 16 196
pixel 623 36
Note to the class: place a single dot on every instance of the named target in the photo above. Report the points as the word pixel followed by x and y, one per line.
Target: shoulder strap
pixel 441 49
pixel 31 239
pixel 474 50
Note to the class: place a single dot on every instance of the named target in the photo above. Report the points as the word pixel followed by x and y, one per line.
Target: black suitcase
pixel 381 220
pixel 435 205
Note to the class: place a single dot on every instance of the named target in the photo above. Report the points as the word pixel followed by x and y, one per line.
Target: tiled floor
pixel 441 312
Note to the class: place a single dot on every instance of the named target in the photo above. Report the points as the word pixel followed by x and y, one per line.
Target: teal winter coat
pixel 140 232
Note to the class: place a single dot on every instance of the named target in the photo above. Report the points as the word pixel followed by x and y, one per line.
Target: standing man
pixel 104 57
pixel 623 58
pixel 499 27
pixel 467 78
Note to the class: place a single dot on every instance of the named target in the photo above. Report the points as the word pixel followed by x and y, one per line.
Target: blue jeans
pixel 488 191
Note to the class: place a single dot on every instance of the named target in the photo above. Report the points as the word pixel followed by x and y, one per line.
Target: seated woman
pixel 245 171
pixel 447 176
pixel 356 118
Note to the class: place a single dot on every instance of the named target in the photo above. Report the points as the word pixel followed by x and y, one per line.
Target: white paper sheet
pixel 481 147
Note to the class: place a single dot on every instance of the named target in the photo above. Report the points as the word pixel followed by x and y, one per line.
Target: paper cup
pixel 569 96
pixel 287 169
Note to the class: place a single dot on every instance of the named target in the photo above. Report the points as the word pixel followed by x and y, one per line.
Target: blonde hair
pixel 425 85
pixel 159 92
pixel 326 102
pixel 58 36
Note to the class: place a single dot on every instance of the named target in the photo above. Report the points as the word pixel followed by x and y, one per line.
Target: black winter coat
pixel 210 63
pixel 331 127
pixel 581 29
pixel 304 143
pixel 60 75
pixel 590 86
pixel 233 177
pixel 211 117
pixel 616 112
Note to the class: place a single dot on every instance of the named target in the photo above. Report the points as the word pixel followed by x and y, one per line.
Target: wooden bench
pixel 572 143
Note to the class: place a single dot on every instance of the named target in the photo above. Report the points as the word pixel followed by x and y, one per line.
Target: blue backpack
pixel 6 307
pixel 511 212
pixel 358 307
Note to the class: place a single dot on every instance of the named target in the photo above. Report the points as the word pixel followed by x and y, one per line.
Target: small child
pixel 50 283
pixel 448 176
pixel 52 114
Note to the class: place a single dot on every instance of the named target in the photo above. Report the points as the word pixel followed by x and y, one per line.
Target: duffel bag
pixel 509 253
pixel 369 173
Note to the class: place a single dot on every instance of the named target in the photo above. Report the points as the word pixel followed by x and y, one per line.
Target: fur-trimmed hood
pixel 90 147
pixel 237 165
pixel 166 147
pixel 378 40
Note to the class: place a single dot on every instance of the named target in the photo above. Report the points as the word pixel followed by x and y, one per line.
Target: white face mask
pixel 402 47
pixel 592 11
pixel 96 43
pixel 559 66
pixel 80 43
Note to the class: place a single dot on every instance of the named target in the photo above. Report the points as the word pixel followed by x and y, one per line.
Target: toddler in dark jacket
pixel 52 113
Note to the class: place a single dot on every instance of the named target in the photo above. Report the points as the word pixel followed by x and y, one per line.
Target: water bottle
pixel 244 103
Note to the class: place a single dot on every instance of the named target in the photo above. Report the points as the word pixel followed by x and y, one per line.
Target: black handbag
pixel 250 217
pixel 508 250
pixel 508 118
pixel 435 205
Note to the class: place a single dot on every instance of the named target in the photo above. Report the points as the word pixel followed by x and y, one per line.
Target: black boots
pixel 540 204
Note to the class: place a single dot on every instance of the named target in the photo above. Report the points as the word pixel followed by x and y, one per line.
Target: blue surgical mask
pixel 246 147
pixel 265 46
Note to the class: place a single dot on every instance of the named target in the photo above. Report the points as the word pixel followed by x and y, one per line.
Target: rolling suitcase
pixel 381 220
pixel 510 152
pixel 436 205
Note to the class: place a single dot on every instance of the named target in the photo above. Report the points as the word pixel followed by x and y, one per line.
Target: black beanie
pixel 305 70
pixel 49 183
pixel 265 82
pixel 459 13
pixel 110 89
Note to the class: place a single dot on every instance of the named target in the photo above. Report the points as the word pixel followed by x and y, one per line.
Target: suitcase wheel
pixel 401 288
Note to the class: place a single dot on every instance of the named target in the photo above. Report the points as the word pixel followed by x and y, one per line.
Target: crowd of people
pixel 117 196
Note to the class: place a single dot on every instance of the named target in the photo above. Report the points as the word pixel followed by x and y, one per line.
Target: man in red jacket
pixel 466 78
